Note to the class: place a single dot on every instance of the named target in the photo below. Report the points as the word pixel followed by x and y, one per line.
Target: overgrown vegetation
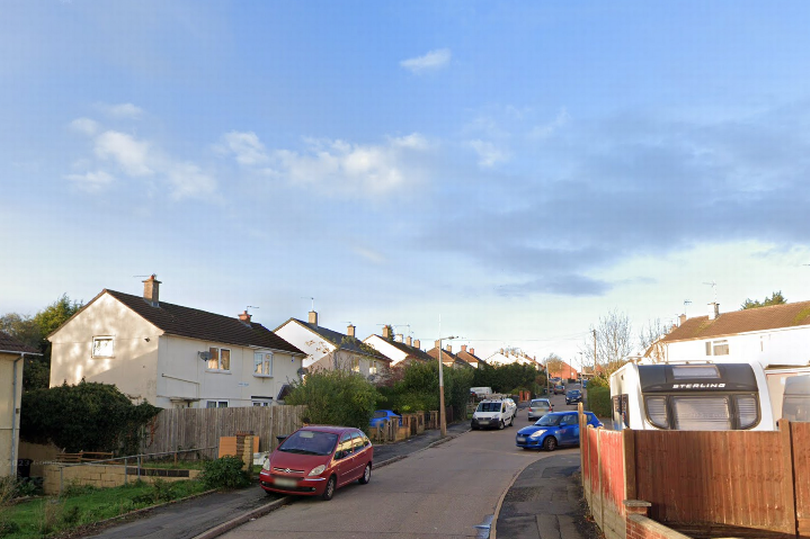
pixel 81 506
pixel 599 397
pixel 225 472
pixel 510 378
pixel 335 397
pixel 89 416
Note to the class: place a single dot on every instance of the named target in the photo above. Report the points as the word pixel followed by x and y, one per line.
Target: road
pixel 450 491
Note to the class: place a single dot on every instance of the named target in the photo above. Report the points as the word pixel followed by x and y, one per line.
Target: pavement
pixel 543 502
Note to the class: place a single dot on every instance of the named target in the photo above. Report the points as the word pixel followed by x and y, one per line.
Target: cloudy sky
pixel 507 172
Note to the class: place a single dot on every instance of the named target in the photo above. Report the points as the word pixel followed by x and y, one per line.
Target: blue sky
pixel 508 172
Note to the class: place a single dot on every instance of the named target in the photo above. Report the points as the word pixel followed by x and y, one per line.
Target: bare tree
pixel 650 339
pixel 554 363
pixel 609 343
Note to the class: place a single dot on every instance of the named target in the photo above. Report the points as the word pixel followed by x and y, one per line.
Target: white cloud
pixel 488 154
pixel 432 61
pixel 247 148
pixel 369 254
pixel 352 169
pixel 546 130
pixel 85 126
pixel 129 153
pixel 124 110
pixel 189 180
pixel 92 182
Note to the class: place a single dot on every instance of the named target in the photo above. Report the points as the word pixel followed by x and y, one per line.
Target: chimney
pixel 245 317
pixel 399 338
pixel 714 310
pixel 437 344
pixel 417 344
pixel 350 330
pixel 449 348
pixel 472 351
pixel 409 341
pixel 313 318
pixel 151 291
pixel 463 347
pixel 682 319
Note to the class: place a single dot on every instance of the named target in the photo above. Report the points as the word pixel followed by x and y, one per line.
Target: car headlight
pixel 317 470
pixel 536 434
pixel 266 464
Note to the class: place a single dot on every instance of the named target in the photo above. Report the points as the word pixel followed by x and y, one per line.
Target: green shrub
pixel 335 397
pixel 599 401
pixel 225 472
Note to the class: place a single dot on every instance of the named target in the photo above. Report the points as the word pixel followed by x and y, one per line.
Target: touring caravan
pixel 691 396
pixel 796 400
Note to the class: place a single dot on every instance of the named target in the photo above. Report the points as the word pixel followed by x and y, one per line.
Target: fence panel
pixel 612 487
pixel 733 477
pixel 187 428
pixel 800 437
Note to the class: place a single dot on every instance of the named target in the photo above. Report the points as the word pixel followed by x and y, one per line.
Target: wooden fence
pixel 192 428
pixel 752 482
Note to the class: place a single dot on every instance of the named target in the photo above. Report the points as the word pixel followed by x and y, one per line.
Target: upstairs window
pixel 373 368
pixel 717 348
pixel 219 359
pixel 355 365
pixel 263 363
pixel 103 347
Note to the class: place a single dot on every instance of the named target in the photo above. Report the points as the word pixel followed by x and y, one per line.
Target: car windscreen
pixel 539 404
pixel 548 421
pixel 380 413
pixel 309 442
pixel 489 407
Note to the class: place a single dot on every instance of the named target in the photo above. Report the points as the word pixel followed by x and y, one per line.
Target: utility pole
pixel 594 351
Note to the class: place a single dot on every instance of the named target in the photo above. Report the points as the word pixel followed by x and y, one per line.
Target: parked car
pixel 317 460
pixel 494 413
pixel 573 396
pixel 539 407
pixel 553 430
pixel 381 416
pixel 559 389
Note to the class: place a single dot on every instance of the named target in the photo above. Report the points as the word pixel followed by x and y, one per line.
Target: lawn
pixel 78 507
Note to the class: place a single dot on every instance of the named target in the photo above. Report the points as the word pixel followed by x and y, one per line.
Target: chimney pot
pixel 151 290
pixel 313 318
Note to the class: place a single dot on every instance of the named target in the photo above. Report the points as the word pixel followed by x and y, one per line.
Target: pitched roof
pixel 469 357
pixel 412 351
pixel 202 325
pixel 10 344
pixel 745 321
pixel 342 341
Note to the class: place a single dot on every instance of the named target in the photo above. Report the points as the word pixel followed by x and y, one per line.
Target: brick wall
pixel 57 477
pixel 639 526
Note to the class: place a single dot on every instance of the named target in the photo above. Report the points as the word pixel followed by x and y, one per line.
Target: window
pixel 373 368
pixel 263 363
pixel 355 365
pixel 220 359
pixel 657 411
pixel 717 348
pixel 216 404
pixel 103 347
pixel 262 401
pixel 701 413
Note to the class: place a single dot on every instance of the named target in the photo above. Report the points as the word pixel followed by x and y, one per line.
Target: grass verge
pixel 82 506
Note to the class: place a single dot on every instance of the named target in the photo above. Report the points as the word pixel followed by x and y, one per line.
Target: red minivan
pixel 317 460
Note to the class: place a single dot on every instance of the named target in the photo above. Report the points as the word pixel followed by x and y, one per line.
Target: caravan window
pixel 701 413
pixel 796 408
pixel 681 372
pixel 747 410
pixel 657 411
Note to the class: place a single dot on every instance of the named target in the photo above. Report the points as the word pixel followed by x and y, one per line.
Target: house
pixel 564 371
pixel 470 357
pixel 777 337
pixel 508 356
pixel 329 349
pixel 400 351
pixel 12 353
pixel 170 355
pixel 449 359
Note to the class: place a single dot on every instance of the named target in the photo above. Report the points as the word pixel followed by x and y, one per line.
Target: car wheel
pixel 329 491
pixel 500 425
pixel 366 475
pixel 550 444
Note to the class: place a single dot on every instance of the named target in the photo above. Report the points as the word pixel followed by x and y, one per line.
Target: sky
pixel 505 172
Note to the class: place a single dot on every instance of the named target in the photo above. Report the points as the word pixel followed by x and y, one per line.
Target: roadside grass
pixel 82 506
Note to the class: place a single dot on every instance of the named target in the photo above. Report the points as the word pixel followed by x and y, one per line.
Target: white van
pixel 494 413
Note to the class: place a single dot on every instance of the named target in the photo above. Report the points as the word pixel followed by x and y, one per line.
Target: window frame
pixel 99 339
pixel 219 367
pixel 217 403
pixel 267 360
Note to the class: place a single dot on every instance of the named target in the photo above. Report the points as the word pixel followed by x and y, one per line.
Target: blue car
pixel 557 429
pixel 381 416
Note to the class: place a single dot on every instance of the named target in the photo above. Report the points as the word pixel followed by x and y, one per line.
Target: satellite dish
pixel 205 356
pixel 302 371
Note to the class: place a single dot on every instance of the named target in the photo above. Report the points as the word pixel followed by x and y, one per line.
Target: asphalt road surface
pixel 450 491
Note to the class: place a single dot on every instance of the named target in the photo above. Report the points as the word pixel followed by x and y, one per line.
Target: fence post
pixel 788 488
pixel 629 451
